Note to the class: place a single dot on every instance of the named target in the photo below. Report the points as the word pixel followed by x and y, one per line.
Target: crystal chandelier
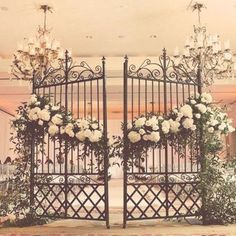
pixel 36 53
pixel 205 51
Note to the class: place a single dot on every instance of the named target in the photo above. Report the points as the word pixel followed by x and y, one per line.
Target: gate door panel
pixel 64 185
pixel 163 184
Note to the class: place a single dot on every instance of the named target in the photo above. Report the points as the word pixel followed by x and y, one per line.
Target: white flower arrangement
pixel 197 111
pixel 40 116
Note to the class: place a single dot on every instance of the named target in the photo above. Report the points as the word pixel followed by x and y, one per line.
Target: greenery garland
pixel 34 120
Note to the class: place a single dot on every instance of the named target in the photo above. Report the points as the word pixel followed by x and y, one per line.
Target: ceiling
pixel 114 27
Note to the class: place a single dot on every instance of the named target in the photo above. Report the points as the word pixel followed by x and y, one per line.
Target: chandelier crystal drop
pixel 206 52
pixel 37 53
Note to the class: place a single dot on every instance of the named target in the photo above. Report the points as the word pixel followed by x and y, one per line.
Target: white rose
pixel 154 137
pixel 186 110
pixel 53 129
pixel 193 102
pixel 69 129
pixel 11 217
pixel 88 133
pixel 155 127
pixel 129 126
pixel 134 137
pixel 214 122
pixel 142 131
pixel 206 98
pixel 180 115
pixel 94 126
pixel 201 107
pixel 231 128
pixel 37 103
pixel 175 110
pixel 160 118
pixel 80 136
pixel 193 127
pixel 148 123
pixel 83 124
pixel 198 115
pixel 33 99
pixel 71 133
pixel 174 126
pixel 145 137
pixel 33 113
pixel 140 122
pixel 96 136
pixel 40 122
pixel 187 123
pixel 57 119
pixel 47 107
pixel 44 115
pixel 165 126
pixel 211 130
pixel 222 126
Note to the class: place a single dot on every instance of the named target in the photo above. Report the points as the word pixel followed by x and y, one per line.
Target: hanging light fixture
pixel 205 50
pixel 37 53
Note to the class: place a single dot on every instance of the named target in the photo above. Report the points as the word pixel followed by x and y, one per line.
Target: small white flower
pixel 129 126
pixel 94 126
pixel 55 108
pixel 193 102
pixel 165 126
pixel 40 122
pixel 83 124
pixel 210 130
pixel 46 107
pixel 222 126
pixel 206 98
pixel 198 115
pixel 155 127
pixel 193 127
pixel 57 119
pixel 53 129
pixel 142 131
pixel 214 122
pixel 96 136
pixel 145 137
pixel 231 129
pixel 134 137
pixel 33 99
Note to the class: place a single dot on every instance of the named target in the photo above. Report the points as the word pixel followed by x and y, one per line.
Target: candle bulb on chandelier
pixel 227 45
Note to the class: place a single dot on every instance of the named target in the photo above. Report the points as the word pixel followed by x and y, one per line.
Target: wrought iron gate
pixel 166 185
pixel 62 184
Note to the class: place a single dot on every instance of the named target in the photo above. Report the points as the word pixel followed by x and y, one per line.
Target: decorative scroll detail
pixel 164 68
pixel 67 71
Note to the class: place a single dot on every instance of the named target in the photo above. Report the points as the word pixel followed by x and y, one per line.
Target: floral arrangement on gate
pixel 37 118
pixel 180 128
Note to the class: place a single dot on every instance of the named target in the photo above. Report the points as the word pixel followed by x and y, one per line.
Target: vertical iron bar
pixel 166 144
pixel 66 148
pixel 125 113
pixel 106 160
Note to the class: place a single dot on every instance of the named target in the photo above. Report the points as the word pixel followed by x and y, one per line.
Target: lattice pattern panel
pixel 183 199
pixel 86 201
pixel 146 201
pixel 50 200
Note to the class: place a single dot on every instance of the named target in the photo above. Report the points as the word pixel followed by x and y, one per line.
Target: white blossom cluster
pixel 44 114
pixel 197 109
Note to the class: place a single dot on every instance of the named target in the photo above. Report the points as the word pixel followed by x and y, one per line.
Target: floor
pixel 142 228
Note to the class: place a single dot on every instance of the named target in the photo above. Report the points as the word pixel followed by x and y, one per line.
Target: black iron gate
pixel 166 185
pixel 74 188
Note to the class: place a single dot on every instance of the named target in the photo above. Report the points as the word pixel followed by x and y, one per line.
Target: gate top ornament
pixel 67 71
pixel 152 70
